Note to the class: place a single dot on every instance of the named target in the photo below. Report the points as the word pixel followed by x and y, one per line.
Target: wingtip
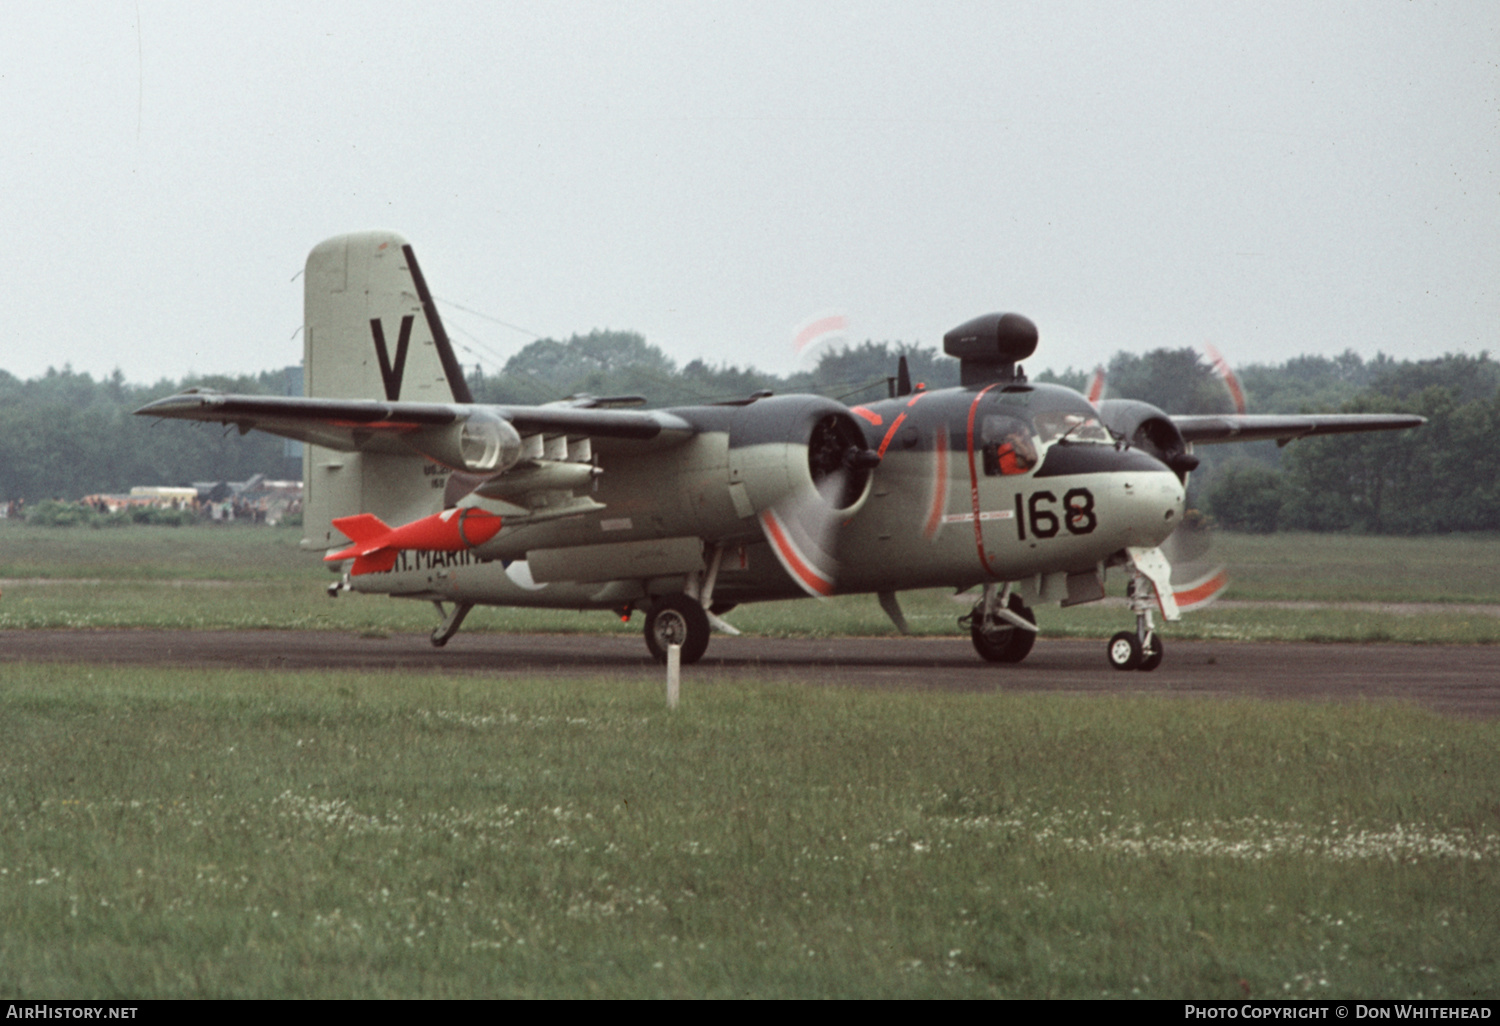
pixel 180 402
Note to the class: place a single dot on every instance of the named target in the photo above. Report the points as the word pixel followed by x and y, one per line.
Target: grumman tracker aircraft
pixel 1027 491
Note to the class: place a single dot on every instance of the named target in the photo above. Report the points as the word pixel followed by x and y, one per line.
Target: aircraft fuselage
pixel 944 508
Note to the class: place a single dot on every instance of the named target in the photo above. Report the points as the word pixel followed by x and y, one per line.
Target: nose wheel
pixel 1127 653
pixel 1142 648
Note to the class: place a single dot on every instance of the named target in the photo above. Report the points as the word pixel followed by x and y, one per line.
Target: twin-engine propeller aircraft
pixel 1028 491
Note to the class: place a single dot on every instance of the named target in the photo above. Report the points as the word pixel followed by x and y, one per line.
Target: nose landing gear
pixel 1142 648
pixel 1126 652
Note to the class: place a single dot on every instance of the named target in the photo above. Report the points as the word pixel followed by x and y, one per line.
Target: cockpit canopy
pixel 1021 422
pixel 1072 425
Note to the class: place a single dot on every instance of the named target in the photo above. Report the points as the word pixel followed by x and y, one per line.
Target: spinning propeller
pixel 1196 578
pixel 802 527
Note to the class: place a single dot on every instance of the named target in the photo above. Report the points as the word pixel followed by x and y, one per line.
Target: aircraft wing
pixel 370 425
pixel 1207 430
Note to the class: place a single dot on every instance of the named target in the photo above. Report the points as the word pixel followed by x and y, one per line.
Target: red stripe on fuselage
pixel 891 431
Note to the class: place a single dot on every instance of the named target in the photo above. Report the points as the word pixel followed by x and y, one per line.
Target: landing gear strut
pixel 1142 648
pixel 1001 627
pixel 451 622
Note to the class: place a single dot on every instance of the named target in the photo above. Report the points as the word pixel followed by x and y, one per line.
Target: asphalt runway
pixel 1455 680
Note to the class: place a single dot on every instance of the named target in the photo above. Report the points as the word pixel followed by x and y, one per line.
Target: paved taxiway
pixel 1459 680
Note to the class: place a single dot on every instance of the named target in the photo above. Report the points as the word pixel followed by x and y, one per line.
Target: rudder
pixel 371 331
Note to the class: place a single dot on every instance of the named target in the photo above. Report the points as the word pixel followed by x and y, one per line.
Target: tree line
pixel 65 435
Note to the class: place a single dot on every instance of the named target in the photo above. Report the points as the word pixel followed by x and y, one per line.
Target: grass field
pixel 175 834
pixel 237 577
pixel 186 834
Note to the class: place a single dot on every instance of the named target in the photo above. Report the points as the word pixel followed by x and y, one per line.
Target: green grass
pixel 149 553
pixel 241 577
pixel 175 834
pixel 1458 568
pixel 171 833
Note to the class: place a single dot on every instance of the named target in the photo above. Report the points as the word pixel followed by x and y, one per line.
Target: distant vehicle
pixel 1027 491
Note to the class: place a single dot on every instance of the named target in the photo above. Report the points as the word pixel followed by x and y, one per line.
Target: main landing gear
pixel 1001 627
pixel 677 620
pixel 1142 648
pixel 687 619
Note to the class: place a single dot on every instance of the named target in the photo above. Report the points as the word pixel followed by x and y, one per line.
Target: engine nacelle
pixel 797 444
pixel 1149 429
pixel 481 443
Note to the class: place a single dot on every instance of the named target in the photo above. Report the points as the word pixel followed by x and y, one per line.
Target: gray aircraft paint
pixel 766 499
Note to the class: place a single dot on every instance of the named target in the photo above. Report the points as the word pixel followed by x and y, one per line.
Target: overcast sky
pixel 1273 177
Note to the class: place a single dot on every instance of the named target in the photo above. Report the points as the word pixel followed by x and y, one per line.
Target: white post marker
pixel 674 674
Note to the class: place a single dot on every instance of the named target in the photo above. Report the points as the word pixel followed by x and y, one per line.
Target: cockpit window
pixel 1007 445
pixel 1073 425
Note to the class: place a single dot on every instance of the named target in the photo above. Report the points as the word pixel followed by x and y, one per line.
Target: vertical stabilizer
pixel 368 333
pixel 371 331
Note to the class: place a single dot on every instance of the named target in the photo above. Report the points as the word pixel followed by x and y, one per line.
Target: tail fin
pixel 371 331
pixel 363 530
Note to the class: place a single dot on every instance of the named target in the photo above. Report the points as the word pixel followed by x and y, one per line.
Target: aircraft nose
pixel 1157 500
pixel 1141 495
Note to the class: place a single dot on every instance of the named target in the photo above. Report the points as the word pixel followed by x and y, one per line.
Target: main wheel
pixel 1004 643
pixel 1152 653
pixel 1124 651
pixel 677 620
